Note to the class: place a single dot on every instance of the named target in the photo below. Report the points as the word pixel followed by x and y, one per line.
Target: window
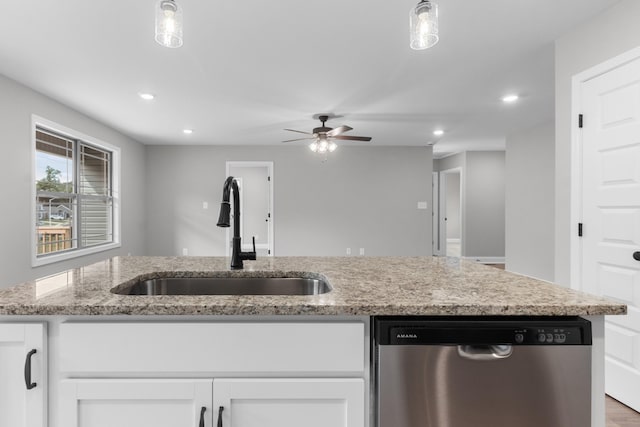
pixel 74 195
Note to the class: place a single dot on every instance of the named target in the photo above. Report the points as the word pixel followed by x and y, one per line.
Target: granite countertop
pixel 361 286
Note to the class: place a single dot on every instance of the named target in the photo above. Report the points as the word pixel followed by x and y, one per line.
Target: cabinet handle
pixel 220 416
pixel 27 370
pixel 202 411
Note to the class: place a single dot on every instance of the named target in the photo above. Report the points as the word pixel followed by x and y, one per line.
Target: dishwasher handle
pixel 485 352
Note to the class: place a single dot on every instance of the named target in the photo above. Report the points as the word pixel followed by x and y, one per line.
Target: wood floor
pixel 618 415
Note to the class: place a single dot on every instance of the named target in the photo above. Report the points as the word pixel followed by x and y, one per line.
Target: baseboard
pixel 486 259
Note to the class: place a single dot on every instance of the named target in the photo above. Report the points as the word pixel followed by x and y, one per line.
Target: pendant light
pixel 169 23
pixel 423 22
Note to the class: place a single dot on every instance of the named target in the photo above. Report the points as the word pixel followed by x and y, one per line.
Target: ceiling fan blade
pixel 339 130
pixel 353 138
pixel 299 131
pixel 299 139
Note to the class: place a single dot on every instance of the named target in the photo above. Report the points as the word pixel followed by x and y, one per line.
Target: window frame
pixel 69 254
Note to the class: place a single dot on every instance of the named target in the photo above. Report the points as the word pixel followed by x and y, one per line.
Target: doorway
pixel 449 229
pixel 255 181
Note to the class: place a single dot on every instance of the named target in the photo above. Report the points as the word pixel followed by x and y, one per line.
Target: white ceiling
pixel 248 68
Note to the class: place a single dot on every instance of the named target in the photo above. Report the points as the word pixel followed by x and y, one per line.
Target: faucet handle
pixel 251 255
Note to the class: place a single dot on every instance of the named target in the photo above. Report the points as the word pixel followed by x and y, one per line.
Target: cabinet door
pixel 135 403
pixel 289 402
pixel 21 406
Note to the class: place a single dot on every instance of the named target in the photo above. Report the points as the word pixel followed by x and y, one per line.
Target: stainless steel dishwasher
pixel 482 371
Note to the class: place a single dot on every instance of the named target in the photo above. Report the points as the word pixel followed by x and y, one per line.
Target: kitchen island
pixel 362 286
pixel 101 354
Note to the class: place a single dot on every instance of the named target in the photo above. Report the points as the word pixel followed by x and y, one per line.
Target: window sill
pixel 50 259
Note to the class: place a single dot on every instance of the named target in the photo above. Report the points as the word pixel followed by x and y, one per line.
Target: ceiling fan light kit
pixel 423 25
pixel 322 146
pixel 323 137
pixel 169 23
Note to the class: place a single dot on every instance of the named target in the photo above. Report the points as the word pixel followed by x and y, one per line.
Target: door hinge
pixel 580 121
pixel 269 178
pixel 579 229
pixel 268 251
pixel 269 215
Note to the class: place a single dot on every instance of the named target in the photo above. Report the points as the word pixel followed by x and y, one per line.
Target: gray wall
pixel 609 34
pixel 17 104
pixel 450 162
pixel 361 197
pixel 484 204
pixel 483 201
pixel 529 177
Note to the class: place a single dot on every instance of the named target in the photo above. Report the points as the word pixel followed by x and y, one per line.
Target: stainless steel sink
pixel 226 286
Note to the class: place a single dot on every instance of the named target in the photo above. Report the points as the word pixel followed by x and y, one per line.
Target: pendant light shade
pixel 423 21
pixel 169 23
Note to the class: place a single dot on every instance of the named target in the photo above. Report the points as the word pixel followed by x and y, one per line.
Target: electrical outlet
pixel 185 251
pixel 422 205
pixel 348 251
pixel 361 251
pixel 205 205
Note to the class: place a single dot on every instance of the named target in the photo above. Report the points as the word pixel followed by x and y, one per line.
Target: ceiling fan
pixel 323 137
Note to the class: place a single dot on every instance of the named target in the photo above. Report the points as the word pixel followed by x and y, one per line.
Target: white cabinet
pixel 267 373
pixel 289 402
pixel 23 362
pixel 135 403
pixel 246 402
pixel 182 348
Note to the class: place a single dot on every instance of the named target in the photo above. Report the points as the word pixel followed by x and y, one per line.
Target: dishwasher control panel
pixel 548 335
pixel 482 330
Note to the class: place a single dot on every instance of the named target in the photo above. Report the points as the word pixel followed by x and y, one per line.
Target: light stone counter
pixel 361 286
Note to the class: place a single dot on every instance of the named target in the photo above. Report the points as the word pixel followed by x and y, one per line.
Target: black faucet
pixel 237 256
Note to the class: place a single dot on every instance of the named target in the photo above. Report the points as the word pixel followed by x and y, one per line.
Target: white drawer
pixel 198 347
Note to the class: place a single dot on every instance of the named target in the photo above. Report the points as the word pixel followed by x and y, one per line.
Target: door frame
pixel 248 164
pixel 435 214
pixel 442 209
pixel 575 211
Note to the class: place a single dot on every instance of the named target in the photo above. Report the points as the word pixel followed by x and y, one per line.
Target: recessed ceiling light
pixel 146 96
pixel 187 131
pixel 438 132
pixel 510 98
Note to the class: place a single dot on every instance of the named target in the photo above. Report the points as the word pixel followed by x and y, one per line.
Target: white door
pixel 442 213
pixel 22 406
pixel 135 403
pixel 611 217
pixel 289 402
pixel 450 213
pixel 453 214
pixel 435 212
pixel 256 204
